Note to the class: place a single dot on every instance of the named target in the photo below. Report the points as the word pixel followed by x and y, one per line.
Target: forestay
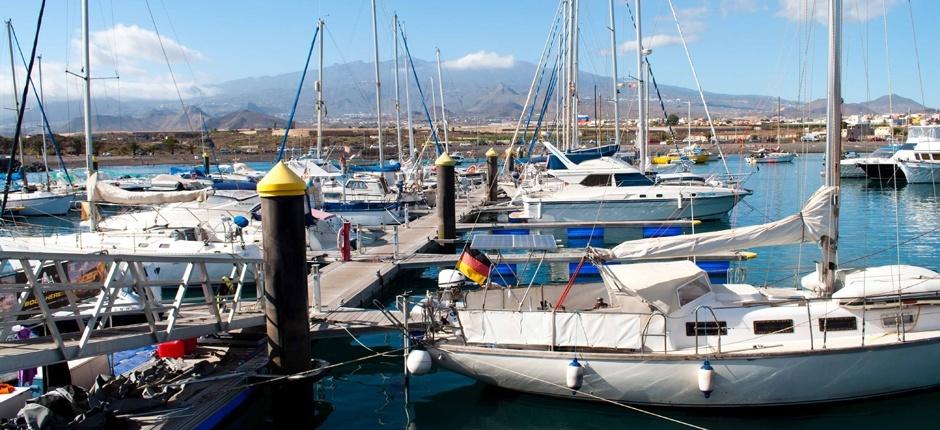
pixel 809 225
pixel 565 329
pixel 99 191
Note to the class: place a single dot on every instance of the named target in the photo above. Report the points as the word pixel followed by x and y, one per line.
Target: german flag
pixel 474 265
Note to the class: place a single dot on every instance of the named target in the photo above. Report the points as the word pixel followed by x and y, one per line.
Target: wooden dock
pixel 354 283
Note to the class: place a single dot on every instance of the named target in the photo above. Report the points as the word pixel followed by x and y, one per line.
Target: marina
pixel 520 238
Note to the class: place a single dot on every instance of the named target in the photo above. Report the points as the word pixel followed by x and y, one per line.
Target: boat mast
pixel 411 130
pixel 320 105
pixel 378 86
pixel 440 83
pixel 613 53
pixel 397 91
pixel 86 105
pixel 778 120
pixel 16 95
pixel 573 74
pixel 566 79
pixel 45 154
pixel 834 146
pixel 640 86
pixel 688 136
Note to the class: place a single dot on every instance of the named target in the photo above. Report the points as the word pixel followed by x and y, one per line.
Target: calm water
pixel 874 218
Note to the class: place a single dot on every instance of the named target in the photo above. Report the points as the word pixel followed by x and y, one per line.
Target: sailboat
pixel 668 336
pixel 608 189
pixel 28 201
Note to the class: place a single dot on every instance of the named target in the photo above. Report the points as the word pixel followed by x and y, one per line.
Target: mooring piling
pixel 446 201
pixel 492 172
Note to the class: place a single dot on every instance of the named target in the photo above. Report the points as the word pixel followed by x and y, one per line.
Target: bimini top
pixel 667 286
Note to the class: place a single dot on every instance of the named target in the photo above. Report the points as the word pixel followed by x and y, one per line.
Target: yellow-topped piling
pixel 491 153
pixel 444 160
pixel 492 171
pixel 281 181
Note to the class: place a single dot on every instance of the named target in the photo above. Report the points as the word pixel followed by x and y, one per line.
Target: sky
pixel 765 47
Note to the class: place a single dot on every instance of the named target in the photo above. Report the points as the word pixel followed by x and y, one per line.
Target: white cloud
pixel 654 41
pixel 853 10
pixel 481 60
pixel 130 43
pixel 133 53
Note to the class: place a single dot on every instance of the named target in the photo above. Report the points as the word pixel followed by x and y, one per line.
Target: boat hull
pixel 920 172
pixel 631 209
pixel 782 158
pixel 755 380
pixel 882 171
pixel 40 204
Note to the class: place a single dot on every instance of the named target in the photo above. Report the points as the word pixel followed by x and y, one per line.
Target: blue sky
pixel 739 46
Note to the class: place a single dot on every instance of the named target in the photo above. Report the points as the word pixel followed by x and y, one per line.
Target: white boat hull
pixel 773 158
pixel 645 209
pixel 920 172
pixel 39 203
pixel 739 380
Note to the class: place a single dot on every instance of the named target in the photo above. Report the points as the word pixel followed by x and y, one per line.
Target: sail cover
pixel 809 225
pixel 100 191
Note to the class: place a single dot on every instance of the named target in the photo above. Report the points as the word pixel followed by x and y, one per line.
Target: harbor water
pixel 880 223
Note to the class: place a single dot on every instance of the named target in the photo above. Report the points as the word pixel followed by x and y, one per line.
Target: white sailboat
pixel 667 336
pixel 27 201
pixel 608 189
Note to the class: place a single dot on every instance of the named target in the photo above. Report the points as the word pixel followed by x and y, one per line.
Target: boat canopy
pixel 685 283
pixel 886 280
pixel 310 169
pixel 809 225
pixel 99 191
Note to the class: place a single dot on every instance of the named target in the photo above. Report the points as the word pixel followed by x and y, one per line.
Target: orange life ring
pixel 6 389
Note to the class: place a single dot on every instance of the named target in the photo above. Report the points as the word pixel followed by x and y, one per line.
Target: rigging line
pixel 170 68
pixel 701 94
pixel 345 64
pixel 533 89
pixel 593 396
pixel 884 14
pixel 311 372
pixel 293 109
pixel 117 66
pixel 920 76
pixel 437 143
pixel 188 66
pixel 42 110
pixel 19 116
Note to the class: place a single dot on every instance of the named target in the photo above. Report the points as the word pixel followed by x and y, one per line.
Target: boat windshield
pixel 924 133
pixel 885 151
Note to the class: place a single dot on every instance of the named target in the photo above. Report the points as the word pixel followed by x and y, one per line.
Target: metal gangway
pixel 80 305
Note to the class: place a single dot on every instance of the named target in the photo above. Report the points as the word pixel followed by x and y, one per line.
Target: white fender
pixel 574 376
pixel 705 374
pixel 419 362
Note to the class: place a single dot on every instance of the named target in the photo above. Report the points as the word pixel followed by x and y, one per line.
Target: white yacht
pixel 608 189
pixel 883 163
pixel 924 166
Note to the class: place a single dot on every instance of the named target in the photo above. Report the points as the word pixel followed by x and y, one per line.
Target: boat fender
pixel 240 221
pixel 419 362
pixel 705 374
pixel 575 375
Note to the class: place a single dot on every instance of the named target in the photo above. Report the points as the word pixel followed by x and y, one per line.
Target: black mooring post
pixel 492 172
pixel 446 201
pixel 285 292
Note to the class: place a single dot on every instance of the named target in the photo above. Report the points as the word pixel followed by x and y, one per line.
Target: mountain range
pixel 471 96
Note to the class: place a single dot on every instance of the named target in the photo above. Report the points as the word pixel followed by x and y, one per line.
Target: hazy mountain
pixel 471 96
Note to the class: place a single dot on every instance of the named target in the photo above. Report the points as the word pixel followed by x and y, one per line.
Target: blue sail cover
pixel 584 154
pixel 389 166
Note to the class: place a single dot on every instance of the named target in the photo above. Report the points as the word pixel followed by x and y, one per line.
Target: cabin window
pixel 659 195
pixel 691 291
pixel 773 326
pixel 838 324
pixel 706 328
pixel 891 320
pixel 631 179
pixel 642 196
pixel 936 156
pixel 917 156
pixel 356 185
pixel 596 181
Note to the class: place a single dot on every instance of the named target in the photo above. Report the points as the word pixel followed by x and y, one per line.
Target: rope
pixel 623 405
pixel 311 372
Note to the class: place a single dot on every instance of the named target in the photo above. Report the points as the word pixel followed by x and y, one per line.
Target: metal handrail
pixel 717 326
pixel 646 327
